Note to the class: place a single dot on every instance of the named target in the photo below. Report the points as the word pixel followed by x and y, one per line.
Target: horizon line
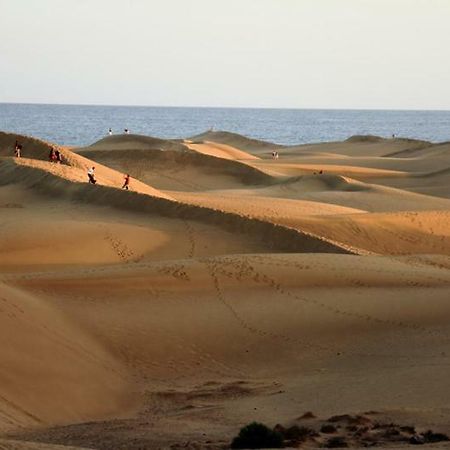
pixel 227 107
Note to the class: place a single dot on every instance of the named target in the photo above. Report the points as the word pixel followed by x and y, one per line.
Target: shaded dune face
pixel 223 287
pixel 170 170
pixel 55 372
pixel 130 227
pixel 135 142
pixel 171 165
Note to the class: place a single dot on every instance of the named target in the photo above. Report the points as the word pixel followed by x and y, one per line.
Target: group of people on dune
pixel 93 180
pixel 54 156
pixel 125 130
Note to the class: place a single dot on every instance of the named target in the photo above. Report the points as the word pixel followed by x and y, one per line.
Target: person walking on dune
pixel 91 175
pixel 126 182
pixel 17 150
pixel 52 155
pixel 110 132
pixel 58 156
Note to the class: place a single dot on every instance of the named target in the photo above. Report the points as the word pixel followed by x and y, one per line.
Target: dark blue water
pixel 82 125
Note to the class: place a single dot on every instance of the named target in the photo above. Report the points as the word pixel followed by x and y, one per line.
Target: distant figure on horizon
pixel 110 132
pixel 91 175
pixel 126 183
pixel 126 131
pixel 275 155
pixel 393 136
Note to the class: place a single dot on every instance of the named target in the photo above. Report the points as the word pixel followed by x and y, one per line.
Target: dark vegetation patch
pixel 257 435
pixel 338 431
pixel 307 415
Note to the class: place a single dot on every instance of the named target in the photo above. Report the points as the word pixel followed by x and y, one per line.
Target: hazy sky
pixel 262 53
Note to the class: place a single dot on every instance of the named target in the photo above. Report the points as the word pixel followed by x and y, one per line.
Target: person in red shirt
pixel 126 183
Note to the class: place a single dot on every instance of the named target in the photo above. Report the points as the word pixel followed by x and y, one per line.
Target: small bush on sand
pixel 307 415
pixel 296 433
pixel 336 442
pixel 328 428
pixel 257 435
pixel 431 437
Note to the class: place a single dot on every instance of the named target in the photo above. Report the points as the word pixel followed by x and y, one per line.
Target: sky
pixel 381 54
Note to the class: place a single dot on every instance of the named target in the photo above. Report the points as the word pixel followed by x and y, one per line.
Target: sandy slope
pixel 53 372
pixel 434 151
pixel 32 147
pixel 219 150
pixel 223 288
pixel 122 142
pixel 100 235
pixel 372 146
pixel 198 333
pixel 237 141
pixel 392 232
pixel 175 169
pixel 436 183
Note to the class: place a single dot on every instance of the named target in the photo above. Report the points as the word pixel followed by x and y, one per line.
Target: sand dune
pixel 74 167
pixel 435 183
pixel 260 206
pixel 63 179
pixel 299 168
pixel 32 147
pixel 56 186
pixel 346 192
pixel 373 146
pixel 56 372
pixel 224 287
pixel 411 232
pixel 238 141
pixel 135 142
pixel 174 169
pixel 219 150
pixel 107 235
pixel 325 320
pixel 354 146
pixel 428 151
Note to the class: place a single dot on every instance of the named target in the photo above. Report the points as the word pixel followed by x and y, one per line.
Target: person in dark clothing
pixel 52 155
pixel 91 175
pixel 126 183
pixel 58 156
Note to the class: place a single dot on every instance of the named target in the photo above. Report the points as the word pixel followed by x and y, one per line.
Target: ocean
pixel 79 125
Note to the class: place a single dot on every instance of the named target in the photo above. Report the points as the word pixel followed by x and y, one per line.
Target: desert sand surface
pixel 224 287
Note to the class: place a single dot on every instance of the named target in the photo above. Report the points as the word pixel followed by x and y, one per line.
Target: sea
pixel 81 125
